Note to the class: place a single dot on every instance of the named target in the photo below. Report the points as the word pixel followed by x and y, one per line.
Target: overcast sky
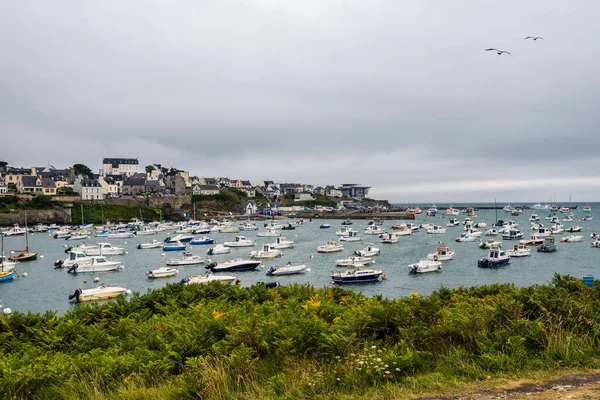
pixel 396 95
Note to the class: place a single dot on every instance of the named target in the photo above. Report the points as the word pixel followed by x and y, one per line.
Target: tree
pixel 150 168
pixel 82 170
pixel 3 165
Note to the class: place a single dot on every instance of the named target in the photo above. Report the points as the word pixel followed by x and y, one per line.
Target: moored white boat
pixel 435 229
pixel 353 261
pixel 97 264
pixel 282 243
pixel 202 280
pixel 353 236
pixel 519 250
pixel 100 293
pixel 120 235
pixel 234 265
pixel 495 258
pixel 288 269
pixel 240 241
pixel 490 244
pixel 187 258
pixel 218 249
pixel 571 239
pixel 389 237
pixel 368 251
pixel 425 265
pixel 162 272
pixel 266 252
pixel 373 230
pixel 442 253
pixel 330 247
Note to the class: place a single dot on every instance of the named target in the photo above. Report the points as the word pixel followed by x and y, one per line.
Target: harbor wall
pixel 36 217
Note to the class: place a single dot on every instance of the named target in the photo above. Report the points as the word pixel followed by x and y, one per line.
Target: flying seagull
pixel 499 51
pixel 534 37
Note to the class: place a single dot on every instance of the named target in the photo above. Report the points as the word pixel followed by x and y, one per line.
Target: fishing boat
pixel 218 249
pixel 373 230
pixel 330 247
pixel 452 222
pixel 352 236
pixel 14 231
pixel 288 269
pixel 548 245
pixel 519 250
pixel 150 244
pixel 442 253
pixel 435 229
pixel 234 265
pixel 23 255
pixel 368 251
pixel 425 265
pixel 495 258
pixel 100 293
pixel 587 208
pixel 513 234
pixel 389 237
pixel 357 275
pixel 162 272
pixel 187 258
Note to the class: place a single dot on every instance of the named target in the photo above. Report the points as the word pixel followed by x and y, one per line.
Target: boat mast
pixel 2 254
pixel 496 210
pixel 82 223
pixel 26 234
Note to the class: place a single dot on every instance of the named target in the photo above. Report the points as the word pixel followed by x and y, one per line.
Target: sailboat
pixel 24 255
pixel 5 275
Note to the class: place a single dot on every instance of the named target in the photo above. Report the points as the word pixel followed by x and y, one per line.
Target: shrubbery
pixel 296 341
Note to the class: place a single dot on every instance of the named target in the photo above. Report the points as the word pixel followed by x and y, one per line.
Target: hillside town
pixel 123 178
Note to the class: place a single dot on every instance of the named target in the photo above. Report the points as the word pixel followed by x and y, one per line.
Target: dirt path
pixel 571 387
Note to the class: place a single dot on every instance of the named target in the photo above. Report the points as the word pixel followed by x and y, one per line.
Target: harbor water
pixel 46 288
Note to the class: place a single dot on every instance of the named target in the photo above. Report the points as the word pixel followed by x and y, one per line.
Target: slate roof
pixel 29 181
pixel 90 183
pixel 116 161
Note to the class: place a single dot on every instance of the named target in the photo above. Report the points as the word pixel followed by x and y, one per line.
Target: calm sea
pixel 46 288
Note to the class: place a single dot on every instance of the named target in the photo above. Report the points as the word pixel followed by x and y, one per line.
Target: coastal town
pixel 124 178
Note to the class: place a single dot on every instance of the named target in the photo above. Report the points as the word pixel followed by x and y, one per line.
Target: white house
pixel 303 197
pixel 3 188
pixel 250 208
pixel 120 166
pixel 89 189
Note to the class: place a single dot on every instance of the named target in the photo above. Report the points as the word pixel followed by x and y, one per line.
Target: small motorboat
pixel 389 237
pixel 467 237
pixel 282 243
pixel 266 252
pixel 240 241
pixel 352 236
pixel 234 265
pixel 187 258
pixel 174 247
pixel 373 230
pixel 519 250
pixel 587 218
pixel 491 232
pixel 571 239
pixel 201 240
pixel 357 275
pixel 347 222
pixel 162 272
pixel 97 264
pixel 534 240
pixel 354 261
pixel 548 245
pixel 269 233
pixel 100 293
pixel 289 269
pixel 495 258
pixel 150 244
pixel 120 235
pixel 573 229
pixel 368 251
pixel 325 226
pixel 490 244
pixel 288 227
pixel 596 243
pixel 452 222
pixel 183 238
pixel 442 253
pixel 425 265
pixel 218 249
pixel 330 247
pixel 435 229
pixel 203 280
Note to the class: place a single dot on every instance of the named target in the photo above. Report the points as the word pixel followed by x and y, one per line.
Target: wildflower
pixel 398 369
pixel 379 351
pixel 373 347
pixel 378 360
pixel 218 314
pixel 338 379
pixel 387 372
pixel 386 366
pixel 361 362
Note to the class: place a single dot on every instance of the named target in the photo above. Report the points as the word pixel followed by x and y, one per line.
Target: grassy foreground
pixel 216 342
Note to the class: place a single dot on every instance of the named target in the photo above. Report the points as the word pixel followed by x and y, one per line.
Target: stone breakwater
pixel 36 217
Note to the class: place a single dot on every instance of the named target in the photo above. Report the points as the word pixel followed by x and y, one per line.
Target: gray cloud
pixel 396 95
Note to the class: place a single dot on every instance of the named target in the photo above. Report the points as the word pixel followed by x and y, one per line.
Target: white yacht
pixel 330 247
pixel 425 265
pixel 353 261
pixel 442 253
pixel 368 251
pixel 282 243
pixel 519 250
pixel 218 249
pixel 435 229
pixel 96 264
pixel 187 258
pixel 241 241
pixel 100 293
pixel 266 252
